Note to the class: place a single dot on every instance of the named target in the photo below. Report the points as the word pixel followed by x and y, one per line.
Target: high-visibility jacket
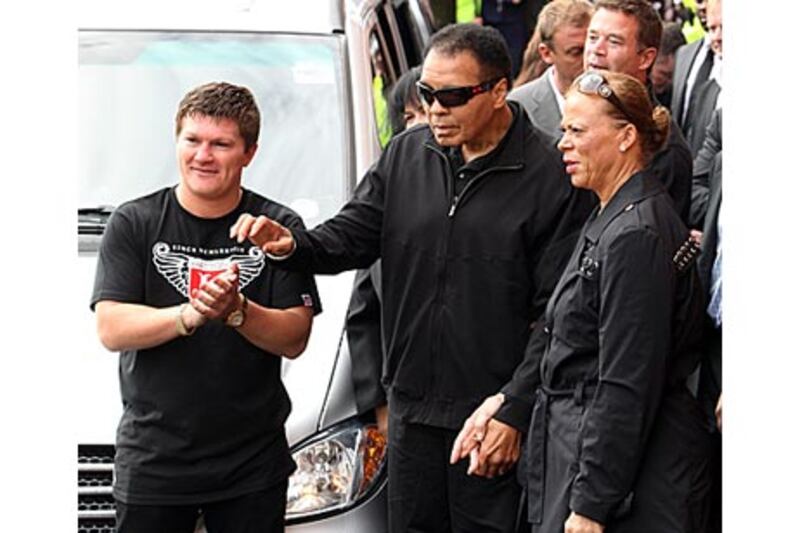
pixel 467 10
pixel 692 29
pixel 381 111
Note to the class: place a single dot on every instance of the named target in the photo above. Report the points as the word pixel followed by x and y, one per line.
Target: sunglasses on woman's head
pixel 454 96
pixel 594 83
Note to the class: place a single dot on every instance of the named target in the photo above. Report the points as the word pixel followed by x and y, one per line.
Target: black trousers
pixel 257 512
pixel 428 495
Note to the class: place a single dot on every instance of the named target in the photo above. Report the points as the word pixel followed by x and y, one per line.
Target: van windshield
pixel 131 84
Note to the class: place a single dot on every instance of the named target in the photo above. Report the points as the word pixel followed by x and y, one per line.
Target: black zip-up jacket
pixel 464 278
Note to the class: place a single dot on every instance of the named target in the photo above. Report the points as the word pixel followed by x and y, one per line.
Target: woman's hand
pixel 474 429
pixel 580 524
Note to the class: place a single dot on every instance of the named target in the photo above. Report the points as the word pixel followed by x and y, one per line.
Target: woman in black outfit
pixel 616 441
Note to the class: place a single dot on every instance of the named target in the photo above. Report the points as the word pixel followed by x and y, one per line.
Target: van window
pixel 392 39
pixel 409 28
pixel 131 84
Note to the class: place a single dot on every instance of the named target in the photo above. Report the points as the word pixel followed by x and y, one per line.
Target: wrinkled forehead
pixel 444 69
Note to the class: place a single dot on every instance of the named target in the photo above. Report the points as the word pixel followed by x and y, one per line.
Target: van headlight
pixel 336 469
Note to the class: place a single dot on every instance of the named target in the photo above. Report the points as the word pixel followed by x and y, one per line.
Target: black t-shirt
pixel 464 172
pixel 202 415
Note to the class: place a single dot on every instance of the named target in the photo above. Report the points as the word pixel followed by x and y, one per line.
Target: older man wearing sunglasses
pixel 473 218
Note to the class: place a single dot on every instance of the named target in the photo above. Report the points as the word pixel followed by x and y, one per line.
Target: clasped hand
pixel 218 297
pixel 492 446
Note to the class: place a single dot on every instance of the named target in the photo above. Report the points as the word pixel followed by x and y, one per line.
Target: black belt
pixel 537 441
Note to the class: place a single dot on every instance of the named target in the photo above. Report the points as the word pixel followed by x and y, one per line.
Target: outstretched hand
pixel 265 233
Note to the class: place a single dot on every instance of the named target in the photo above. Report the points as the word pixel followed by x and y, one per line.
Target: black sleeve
pixel 364 339
pixel 120 271
pixel 636 287
pixel 293 289
pixel 712 144
pixel 352 238
pixel 519 391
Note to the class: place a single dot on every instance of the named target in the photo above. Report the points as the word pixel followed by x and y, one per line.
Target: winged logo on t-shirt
pixel 185 272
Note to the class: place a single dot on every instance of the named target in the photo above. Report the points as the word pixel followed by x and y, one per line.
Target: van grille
pixel 95 478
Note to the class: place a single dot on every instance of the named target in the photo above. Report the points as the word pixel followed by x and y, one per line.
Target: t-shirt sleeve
pixel 292 289
pixel 119 275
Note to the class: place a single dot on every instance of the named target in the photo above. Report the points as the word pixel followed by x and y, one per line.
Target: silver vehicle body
pixel 348 31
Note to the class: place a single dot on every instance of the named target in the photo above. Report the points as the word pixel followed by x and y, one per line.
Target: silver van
pixel 318 69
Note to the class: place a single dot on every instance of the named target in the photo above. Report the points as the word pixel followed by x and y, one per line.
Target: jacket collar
pixel 640 186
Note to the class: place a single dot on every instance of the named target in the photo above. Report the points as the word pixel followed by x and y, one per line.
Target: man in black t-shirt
pixel 201 322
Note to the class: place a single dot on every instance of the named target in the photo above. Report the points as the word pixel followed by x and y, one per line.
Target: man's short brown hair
pixel 223 100
pixel 647 18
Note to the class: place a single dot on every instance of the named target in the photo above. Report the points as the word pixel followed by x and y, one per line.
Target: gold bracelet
pixel 180 327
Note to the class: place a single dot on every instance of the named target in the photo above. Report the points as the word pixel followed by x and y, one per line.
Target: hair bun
pixel 661 125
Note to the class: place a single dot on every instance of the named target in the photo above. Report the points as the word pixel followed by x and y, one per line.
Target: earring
pixel 621 148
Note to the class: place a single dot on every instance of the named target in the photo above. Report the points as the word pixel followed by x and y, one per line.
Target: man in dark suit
pixel 707 201
pixel 708 198
pixel 701 185
pixel 693 65
pixel 562 27
pixel 624 36
pixel 705 95
pixel 688 60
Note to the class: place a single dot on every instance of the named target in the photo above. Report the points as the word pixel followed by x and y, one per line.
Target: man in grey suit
pixel 693 63
pixel 562 26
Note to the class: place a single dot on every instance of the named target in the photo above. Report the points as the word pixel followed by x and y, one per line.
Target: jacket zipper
pixel 457 199
pixel 442 275
pixel 472 184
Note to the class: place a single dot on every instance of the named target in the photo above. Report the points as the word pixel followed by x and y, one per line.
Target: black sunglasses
pixel 592 82
pixel 454 96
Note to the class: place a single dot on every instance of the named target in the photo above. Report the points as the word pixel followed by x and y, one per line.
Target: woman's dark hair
pixel 403 93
